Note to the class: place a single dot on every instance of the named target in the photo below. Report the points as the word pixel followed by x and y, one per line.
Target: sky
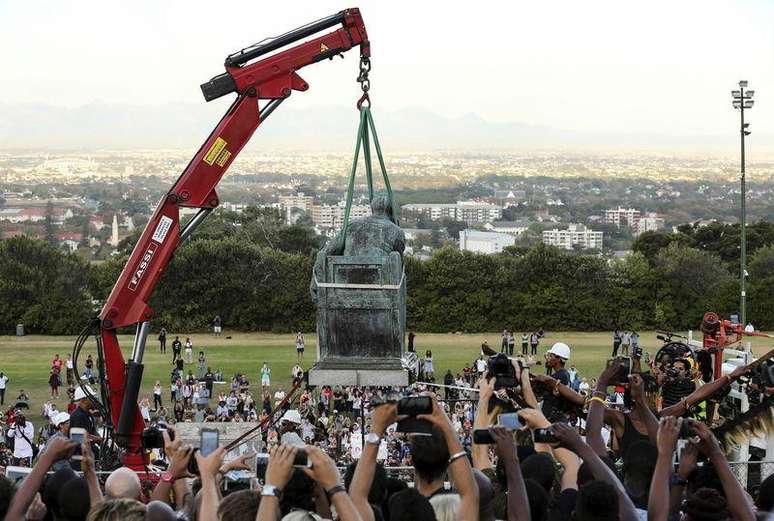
pixel 650 66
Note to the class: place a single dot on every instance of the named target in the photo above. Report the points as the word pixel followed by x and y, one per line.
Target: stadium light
pixel 741 100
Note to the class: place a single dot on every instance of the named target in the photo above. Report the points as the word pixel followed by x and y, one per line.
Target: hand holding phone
pixel 78 435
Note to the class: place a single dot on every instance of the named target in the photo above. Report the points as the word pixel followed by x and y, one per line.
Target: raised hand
pixel 323 469
pixel 280 467
pixel 610 372
pixel 567 436
pixel 668 434
pixel 534 418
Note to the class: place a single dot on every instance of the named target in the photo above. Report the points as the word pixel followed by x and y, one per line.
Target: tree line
pixel 668 281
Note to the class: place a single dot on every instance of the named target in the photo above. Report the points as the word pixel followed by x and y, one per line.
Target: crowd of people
pixel 584 448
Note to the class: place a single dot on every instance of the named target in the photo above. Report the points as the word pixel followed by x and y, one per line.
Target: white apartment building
pixel 509 227
pixel 575 235
pixel 622 217
pixel 485 242
pixel 650 222
pixel 289 202
pixel 470 212
pixel 330 216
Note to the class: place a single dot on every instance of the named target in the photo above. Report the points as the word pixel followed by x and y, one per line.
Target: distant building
pixel 650 222
pixel 622 217
pixel 508 198
pixel 576 235
pixel 299 201
pixel 470 212
pixel 509 227
pixel 415 233
pixel 485 242
pixel 330 216
pixel 34 214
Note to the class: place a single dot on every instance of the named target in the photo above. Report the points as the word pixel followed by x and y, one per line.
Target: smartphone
pixel 78 435
pixel 543 436
pixel 482 437
pixel 415 405
pixel 208 442
pixel 301 460
pixel 509 421
pixel 261 463
pixel 622 377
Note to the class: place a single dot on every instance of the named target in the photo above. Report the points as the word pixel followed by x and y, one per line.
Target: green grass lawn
pixel 26 360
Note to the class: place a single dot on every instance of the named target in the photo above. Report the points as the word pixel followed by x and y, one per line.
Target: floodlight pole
pixel 743 252
pixel 742 100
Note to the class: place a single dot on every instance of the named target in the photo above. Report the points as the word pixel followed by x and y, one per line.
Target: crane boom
pixel 271 77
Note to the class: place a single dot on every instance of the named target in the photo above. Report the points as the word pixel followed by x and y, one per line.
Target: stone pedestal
pixel 361 372
pixel 361 321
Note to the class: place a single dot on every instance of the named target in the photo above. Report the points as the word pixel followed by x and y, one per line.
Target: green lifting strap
pixel 364 139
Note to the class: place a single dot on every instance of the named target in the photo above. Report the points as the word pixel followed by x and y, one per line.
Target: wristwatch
pixel 167 477
pixel 373 439
pixel 271 490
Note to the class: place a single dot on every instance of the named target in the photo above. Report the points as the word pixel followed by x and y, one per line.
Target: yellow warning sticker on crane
pixel 223 157
pixel 323 47
pixel 215 150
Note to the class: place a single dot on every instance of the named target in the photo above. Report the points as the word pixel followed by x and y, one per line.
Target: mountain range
pixel 101 125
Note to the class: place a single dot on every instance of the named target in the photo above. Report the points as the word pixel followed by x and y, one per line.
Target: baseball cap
pixel 80 394
pixel 60 418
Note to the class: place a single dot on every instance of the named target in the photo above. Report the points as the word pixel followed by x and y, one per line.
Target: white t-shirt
pixel 22 448
pixel 3 381
pixel 69 364
pixel 279 396
pixel 481 365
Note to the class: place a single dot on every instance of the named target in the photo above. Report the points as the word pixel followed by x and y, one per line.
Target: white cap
pixel 561 350
pixel 60 418
pixel 80 394
pixel 292 416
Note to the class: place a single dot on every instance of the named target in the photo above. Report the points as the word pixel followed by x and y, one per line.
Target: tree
pixel 43 288
pixel 453 228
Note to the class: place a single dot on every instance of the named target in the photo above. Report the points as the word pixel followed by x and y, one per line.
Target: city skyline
pixel 659 68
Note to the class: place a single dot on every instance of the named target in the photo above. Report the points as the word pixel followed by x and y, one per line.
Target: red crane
pixel 271 77
pixel 720 334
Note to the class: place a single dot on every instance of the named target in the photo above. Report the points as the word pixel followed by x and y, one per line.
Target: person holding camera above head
pixel 635 424
pixel 432 456
pixel 22 432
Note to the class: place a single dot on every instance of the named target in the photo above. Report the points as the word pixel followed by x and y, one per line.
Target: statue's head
pixel 381 206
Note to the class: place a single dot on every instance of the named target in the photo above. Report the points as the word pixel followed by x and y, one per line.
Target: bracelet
pixel 597 399
pixel 335 489
pixel 454 457
pixel 601 394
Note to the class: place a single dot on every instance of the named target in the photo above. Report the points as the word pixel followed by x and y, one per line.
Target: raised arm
pixel 382 417
pixel 325 473
pixel 564 391
pixel 459 466
pixel 208 470
pixel 738 502
pixel 59 449
pixel 702 393
pixel 483 420
pixel 658 501
pixel 518 505
pixel 597 407
pixel 637 388
pixel 569 438
pixel 89 474
pixel 278 474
